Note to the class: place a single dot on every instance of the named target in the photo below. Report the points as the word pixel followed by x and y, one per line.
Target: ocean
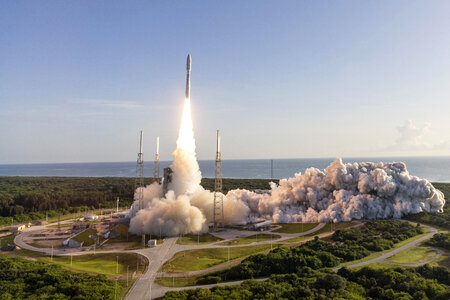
pixel 435 169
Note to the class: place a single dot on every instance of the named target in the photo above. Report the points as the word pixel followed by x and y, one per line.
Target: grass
pixel 101 263
pixel 442 261
pixel 251 239
pixel 295 227
pixel 193 239
pixel 325 229
pixel 199 259
pixel 413 255
pixel 404 242
pixel 39 245
pixel 61 225
pixel 380 265
pixel 84 237
pixel 177 281
pixel 369 257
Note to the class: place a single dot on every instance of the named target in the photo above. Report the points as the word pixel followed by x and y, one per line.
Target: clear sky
pixel 280 79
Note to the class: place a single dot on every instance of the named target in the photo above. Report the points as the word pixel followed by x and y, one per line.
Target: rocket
pixel 188 77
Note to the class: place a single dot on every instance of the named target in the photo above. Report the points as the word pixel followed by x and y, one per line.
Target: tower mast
pixel 218 215
pixel 156 163
pixel 140 172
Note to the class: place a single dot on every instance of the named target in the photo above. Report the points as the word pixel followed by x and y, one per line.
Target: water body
pixel 436 169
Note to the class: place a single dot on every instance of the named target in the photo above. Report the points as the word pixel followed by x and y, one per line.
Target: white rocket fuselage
pixel 188 77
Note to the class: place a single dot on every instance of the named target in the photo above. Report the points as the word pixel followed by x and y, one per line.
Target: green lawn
pixel 295 227
pixel 194 239
pixel 413 255
pixel 371 256
pixel 62 225
pixel 251 239
pixel 84 237
pixel 399 244
pixel 193 260
pixel 102 263
pixel 380 265
pixel 177 281
pixel 442 261
pixel 325 229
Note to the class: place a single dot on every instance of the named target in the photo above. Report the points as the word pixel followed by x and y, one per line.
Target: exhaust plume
pixel 341 192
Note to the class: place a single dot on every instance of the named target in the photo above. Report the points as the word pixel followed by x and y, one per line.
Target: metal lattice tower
pixel 139 184
pixel 156 163
pixel 218 216
pixel 140 180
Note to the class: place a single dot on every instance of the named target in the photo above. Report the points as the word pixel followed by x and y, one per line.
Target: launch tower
pixel 218 216
pixel 139 183
pixel 156 163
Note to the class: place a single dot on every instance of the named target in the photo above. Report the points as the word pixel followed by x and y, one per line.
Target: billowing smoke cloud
pixel 345 192
pixel 341 192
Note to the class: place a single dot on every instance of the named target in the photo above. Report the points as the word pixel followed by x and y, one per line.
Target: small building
pixel 262 225
pixel 151 243
pixel 17 228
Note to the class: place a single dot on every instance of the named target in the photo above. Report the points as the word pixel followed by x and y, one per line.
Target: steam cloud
pixel 341 192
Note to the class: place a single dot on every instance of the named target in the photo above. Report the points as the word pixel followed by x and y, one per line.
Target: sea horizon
pixel 432 168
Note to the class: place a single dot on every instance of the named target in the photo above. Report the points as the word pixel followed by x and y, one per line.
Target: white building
pixel 151 243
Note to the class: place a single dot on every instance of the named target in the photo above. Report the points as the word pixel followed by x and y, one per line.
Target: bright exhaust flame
pixel 186 139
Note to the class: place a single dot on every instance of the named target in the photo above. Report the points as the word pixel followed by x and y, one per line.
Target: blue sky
pixel 280 79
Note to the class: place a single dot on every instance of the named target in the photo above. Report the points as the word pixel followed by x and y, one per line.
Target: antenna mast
pixel 218 216
pixel 140 172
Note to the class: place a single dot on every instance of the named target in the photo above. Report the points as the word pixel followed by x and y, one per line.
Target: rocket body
pixel 188 77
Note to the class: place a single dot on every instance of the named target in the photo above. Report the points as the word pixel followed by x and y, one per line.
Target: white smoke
pixel 339 193
pixel 345 192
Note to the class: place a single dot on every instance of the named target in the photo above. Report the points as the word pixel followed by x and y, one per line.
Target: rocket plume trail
pixel 186 139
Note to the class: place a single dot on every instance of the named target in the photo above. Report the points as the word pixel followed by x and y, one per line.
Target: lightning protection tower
pixel 156 163
pixel 218 216
pixel 139 184
pixel 140 180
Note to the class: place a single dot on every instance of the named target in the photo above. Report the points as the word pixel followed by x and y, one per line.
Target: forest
pixel 24 199
pixel 24 279
pixel 307 283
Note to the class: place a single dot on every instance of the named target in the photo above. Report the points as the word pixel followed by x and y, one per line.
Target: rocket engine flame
pixel 186 139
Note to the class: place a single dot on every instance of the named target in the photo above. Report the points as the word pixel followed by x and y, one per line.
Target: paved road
pixel 157 257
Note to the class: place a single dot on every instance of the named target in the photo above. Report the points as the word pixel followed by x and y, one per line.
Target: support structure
pixel 139 184
pixel 218 215
pixel 156 164
pixel 140 180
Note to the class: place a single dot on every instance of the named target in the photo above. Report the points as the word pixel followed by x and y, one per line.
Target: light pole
pixel 127 275
pixel 117 265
